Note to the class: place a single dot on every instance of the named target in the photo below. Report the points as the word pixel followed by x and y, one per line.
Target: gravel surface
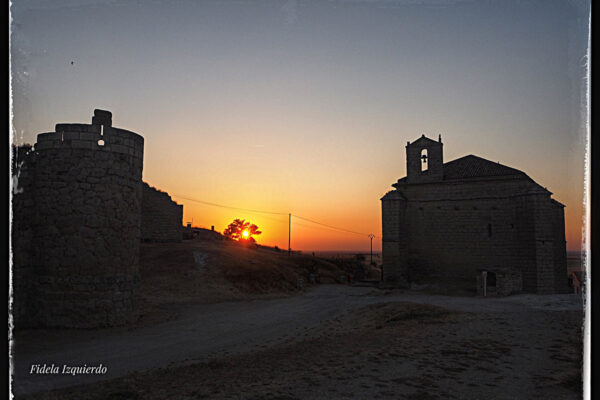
pixel 526 331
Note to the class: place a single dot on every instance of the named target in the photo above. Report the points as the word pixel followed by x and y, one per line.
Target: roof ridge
pixel 471 166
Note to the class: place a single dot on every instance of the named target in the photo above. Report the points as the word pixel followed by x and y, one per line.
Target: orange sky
pixel 306 107
pixel 353 207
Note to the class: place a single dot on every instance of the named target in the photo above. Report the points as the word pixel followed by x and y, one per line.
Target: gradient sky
pixel 306 106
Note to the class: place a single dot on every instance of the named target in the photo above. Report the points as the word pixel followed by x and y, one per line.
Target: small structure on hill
pixel 452 220
pixel 202 234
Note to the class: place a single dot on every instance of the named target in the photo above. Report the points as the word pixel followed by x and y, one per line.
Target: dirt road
pixel 209 332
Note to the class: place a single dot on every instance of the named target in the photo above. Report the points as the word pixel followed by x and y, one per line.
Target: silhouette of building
pixel 449 222
pixel 80 211
pixel 161 216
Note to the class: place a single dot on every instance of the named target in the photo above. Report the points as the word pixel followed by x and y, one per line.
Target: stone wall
pixel 162 218
pixel 561 278
pixel 506 281
pixel 455 228
pixel 76 227
pixel 395 239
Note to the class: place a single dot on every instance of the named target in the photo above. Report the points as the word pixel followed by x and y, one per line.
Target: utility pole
pixel 290 236
pixel 371 236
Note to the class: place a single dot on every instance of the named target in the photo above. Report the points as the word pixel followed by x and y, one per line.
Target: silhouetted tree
pixel 242 231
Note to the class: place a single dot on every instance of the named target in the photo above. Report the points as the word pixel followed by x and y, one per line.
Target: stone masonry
pixel 499 282
pixel 448 220
pixel 161 216
pixel 76 226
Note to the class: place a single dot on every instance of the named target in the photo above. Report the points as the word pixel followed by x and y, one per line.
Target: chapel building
pixel 457 221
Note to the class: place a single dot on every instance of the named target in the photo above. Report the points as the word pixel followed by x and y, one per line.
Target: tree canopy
pixel 242 231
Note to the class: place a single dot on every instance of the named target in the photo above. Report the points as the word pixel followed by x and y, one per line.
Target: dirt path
pixel 217 331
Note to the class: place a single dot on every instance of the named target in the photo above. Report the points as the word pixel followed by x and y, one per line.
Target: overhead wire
pixel 330 227
pixel 230 207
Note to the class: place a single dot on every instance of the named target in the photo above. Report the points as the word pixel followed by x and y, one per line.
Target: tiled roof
pixel 475 167
pixel 472 167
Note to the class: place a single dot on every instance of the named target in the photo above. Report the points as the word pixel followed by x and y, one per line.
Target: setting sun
pixel 245 234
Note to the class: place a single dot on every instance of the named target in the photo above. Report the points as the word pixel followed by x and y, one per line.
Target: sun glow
pixel 245 234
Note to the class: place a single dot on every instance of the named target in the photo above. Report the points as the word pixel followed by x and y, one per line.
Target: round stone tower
pixel 76 251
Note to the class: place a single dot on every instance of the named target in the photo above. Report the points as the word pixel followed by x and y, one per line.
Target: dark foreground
pixel 385 346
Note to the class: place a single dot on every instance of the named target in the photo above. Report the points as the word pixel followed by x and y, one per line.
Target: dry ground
pixel 204 272
pixel 393 350
pixel 345 342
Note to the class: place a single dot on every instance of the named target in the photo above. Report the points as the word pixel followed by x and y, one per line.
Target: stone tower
pixel 76 227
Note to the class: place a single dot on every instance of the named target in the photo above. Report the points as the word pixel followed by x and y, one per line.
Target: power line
pixel 331 227
pixel 326 228
pixel 230 207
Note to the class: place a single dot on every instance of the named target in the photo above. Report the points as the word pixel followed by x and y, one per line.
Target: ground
pixel 212 271
pixel 328 341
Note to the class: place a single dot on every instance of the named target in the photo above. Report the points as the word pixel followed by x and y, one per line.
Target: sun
pixel 245 234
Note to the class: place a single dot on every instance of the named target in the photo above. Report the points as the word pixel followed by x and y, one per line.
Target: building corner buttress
pixel 394 239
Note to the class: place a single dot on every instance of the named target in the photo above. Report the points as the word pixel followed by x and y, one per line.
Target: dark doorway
pixel 491 279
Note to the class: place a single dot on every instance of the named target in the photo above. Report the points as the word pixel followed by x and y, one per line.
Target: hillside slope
pixel 210 271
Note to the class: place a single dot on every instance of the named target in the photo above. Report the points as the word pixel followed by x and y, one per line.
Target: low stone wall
pixel 507 281
pixel 162 218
